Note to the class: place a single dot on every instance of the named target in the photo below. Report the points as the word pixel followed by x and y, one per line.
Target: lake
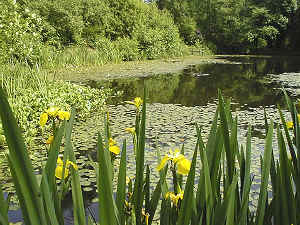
pixel 176 101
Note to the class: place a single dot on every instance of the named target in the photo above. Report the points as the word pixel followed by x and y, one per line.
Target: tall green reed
pixel 219 195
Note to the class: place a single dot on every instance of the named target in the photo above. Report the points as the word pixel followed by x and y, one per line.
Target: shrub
pixel 20 38
pixel 127 48
pixel 30 91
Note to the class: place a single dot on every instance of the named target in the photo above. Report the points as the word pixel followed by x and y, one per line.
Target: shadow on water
pixel 244 80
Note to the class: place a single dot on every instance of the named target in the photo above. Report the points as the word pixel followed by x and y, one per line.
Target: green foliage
pixel 128 49
pixel 63 19
pixel 30 92
pixel 20 33
pixel 233 26
pixel 41 32
pixel 221 196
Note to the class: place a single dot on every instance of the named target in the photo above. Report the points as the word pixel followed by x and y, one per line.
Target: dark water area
pixel 243 79
pixel 91 210
pixel 178 100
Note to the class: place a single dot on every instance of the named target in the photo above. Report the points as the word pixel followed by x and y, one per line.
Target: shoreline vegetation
pixel 219 195
pixel 47 45
pixel 41 40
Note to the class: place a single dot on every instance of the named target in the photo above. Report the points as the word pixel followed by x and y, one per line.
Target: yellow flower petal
pixel 43 119
pixel 183 166
pixel 176 155
pixel 163 162
pixel 59 161
pixel 130 130
pixel 59 172
pixel 178 158
pixel 50 140
pixel 138 102
pixel 114 149
pixel 111 142
pixel 147 218
pixel 290 124
pixel 63 115
pixel 169 195
pixel 52 111
pixel 127 180
pixel 72 164
pixel 67 115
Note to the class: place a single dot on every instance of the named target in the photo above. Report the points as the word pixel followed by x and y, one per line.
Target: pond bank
pixel 134 68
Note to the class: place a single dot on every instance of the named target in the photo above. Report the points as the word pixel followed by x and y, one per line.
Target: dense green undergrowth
pixel 86 32
pixel 29 91
pixel 40 37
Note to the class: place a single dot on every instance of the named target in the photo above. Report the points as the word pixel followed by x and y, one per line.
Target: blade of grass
pixel 78 205
pixel 138 184
pixel 209 195
pixel 50 171
pixel 225 133
pixel 287 189
pixel 3 209
pixel 246 181
pixel 164 187
pixel 21 165
pixel 108 213
pixel 147 189
pixel 156 195
pixel 288 138
pixel 264 177
pixel 185 212
pixel 230 211
pixel 49 204
pixel 121 188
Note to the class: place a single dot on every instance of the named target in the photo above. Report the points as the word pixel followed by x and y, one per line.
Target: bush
pixel 30 91
pixel 20 38
pixel 127 48
pixel 107 50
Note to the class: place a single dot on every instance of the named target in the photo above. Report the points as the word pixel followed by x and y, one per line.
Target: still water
pixel 243 79
pixel 179 100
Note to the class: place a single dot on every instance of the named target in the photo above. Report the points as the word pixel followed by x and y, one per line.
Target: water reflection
pixel 245 81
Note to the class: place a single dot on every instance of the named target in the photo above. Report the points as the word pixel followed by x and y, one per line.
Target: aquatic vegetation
pixel 219 195
pixel 137 102
pixel 177 159
pixel 60 171
pixel 175 197
pixel 113 146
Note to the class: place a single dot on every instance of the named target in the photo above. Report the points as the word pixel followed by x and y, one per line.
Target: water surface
pixel 179 100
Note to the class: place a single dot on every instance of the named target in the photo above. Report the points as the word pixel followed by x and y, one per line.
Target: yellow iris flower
pixel 113 147
pixel 63 115
pixel 183 164
pixel 43 119
pixel 130 130
pixel 290 124
pixel 59 168
pixel 52 111
pixel 50 140
pixel 137 102
pixel 175 198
